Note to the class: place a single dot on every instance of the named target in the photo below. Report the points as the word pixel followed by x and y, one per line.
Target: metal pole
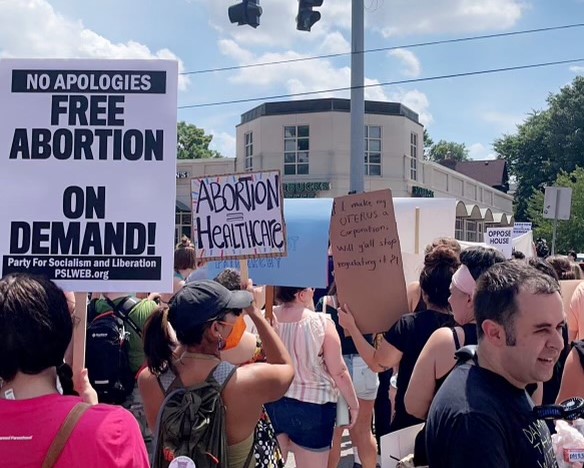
pixel 557 208
pixel 357 167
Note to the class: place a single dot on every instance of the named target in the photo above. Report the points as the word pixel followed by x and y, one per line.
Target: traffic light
pixel 306 16
pixel 246 12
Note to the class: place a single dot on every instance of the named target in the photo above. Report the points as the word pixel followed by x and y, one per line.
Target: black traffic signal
pixel 246 12
pixel 306 16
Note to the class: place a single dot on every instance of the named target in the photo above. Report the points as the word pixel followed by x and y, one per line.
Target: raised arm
pixel 381 359
pixel 265 382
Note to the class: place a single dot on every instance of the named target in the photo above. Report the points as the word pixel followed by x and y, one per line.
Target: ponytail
pixel 158 342
pixel 65 375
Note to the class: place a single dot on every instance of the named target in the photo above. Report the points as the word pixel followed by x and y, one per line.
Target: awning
pixel 180 206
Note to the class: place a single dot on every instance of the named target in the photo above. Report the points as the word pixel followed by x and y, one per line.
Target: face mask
pixel 237 330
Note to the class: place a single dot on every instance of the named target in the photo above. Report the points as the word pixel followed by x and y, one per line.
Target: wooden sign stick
pixel 270 303
pixel 79 332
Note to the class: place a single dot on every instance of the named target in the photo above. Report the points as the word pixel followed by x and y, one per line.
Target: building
pixel 309 142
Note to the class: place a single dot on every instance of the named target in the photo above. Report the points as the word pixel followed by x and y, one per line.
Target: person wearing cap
pixel 437 358
pixel 185 340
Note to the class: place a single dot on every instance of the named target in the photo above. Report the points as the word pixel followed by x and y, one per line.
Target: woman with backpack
pixel 187 370
pixel 42 422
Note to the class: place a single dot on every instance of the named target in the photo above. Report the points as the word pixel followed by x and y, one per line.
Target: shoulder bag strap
pixel 456 340
pixel 64 433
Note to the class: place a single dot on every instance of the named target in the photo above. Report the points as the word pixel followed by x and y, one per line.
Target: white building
pixel 309 142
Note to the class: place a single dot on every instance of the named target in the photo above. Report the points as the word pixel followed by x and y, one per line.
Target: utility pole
pixel 357 166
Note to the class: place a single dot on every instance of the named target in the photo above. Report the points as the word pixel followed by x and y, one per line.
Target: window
pixel 459 229
pixel 296 149
pixel 182 226
pixel 471 231
pixel 372 150
pixel 414 156
pixel 248 137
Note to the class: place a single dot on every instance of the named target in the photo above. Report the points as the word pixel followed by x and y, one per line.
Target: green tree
pixel 547 142
pixel 193 143
pixel 570 233
pixel 428 142
pixel 448 150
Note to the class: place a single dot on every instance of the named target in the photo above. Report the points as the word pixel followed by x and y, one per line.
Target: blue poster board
pixel 307 232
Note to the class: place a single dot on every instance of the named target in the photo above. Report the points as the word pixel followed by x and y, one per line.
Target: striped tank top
pixel 304 341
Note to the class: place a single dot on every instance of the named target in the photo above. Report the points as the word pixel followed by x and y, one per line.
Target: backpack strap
pixel 64 433
pixel 223 372
pixel 123 309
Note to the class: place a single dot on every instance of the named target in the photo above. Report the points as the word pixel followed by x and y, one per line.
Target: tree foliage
pixel 448 150
pixel 570 234
pixel 546 143
pixel 193 143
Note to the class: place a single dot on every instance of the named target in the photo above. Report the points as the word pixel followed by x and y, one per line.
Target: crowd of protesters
pixel 282 379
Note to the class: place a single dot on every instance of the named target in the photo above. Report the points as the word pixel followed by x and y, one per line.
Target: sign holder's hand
pixel 346 319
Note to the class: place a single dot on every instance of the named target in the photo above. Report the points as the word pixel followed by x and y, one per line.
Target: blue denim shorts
pixel 308 425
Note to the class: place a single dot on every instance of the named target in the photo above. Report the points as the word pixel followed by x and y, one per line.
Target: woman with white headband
pixel 437 358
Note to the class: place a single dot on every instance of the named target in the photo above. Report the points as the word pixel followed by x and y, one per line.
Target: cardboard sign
pixel 238 216
pixel 87 172
pixel 500 239
pixel 367 259
pixel 307 232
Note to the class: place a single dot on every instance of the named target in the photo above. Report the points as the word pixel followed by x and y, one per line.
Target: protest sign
pixel 520 228
pixel 501 239
pixel 367 259
pixel 307 233
pixel 238 216
pixel 87 172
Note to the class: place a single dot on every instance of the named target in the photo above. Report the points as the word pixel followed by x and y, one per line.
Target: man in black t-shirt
pixel 482 416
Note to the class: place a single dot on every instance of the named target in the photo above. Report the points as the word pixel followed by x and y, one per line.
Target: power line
pixel 387 83
pixel 382 49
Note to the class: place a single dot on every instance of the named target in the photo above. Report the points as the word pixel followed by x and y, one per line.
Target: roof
pixel 492 172
pixel 308 106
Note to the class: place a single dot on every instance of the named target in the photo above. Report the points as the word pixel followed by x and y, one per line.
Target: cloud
pixel 411 64
pixel 417 101
pixel 478 151
pixel 223 142
pixel 390 18
pixel 33 29
pixel 503 122
pixel 294 77
pixel 335 43
pixel 446 16
pixel 576 68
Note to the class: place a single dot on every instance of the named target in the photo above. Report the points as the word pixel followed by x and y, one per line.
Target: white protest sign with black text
pixel 87 172
pixel 501 239
pixel 238 216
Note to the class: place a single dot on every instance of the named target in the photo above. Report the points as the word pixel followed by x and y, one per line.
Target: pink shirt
pixel 106 436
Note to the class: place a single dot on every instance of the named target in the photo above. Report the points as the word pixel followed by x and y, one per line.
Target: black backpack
pixel 106 354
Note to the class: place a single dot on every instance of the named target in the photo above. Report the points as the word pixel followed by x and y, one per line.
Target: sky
pixel 474 110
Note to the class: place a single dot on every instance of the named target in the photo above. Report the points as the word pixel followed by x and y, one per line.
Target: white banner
pixel 87 172
pixel 239 216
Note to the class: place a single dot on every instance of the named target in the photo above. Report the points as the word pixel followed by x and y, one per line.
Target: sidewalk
pixel 346 454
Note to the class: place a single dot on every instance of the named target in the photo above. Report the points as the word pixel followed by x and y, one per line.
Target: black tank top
pixel 470 338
